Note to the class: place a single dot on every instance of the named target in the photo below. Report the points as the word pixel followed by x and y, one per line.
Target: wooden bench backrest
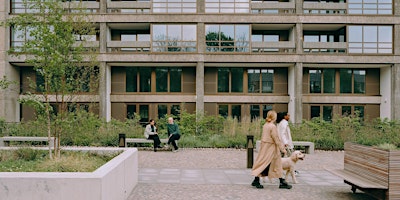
pixel 373 167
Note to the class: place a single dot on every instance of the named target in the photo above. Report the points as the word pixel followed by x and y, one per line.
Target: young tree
pixel 65 67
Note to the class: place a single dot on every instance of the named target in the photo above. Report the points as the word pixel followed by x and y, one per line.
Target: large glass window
pixel 174 6
pixel 352 81
pixel 227 38
pixel 255 111
pixel 230 80
pixel 145 79
pixel 235 111
pixel 371 39
pixel 162 111
pixel 370 7
pixel 322 80
pixel 327 112
pixel 227 6
pixel 131 110
pixel 174 38
pixel 144 113
pixel 174 75
pixel 131 79
pixel 260 80
pixel 223 110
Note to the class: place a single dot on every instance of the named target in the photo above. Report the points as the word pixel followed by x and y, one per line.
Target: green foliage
pixel 85 129
pixel 29 160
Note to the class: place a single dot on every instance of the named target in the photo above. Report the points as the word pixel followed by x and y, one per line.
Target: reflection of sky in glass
pixel 174 31
pixel 159 30
pixel 355 34
pixel 212 28
pixel 385 34
pixel 189 32
pixel 228 31
pixel 370 34
pixel 242 32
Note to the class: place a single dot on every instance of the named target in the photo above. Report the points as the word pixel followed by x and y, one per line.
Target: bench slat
pixel 357 180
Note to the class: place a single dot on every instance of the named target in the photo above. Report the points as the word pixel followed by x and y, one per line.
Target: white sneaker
pixel 175 150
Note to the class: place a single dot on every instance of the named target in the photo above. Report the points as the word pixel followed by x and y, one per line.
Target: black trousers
pixel 172 140
pixel 156 139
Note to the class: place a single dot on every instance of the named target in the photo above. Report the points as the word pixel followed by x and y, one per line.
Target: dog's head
pixel 297 155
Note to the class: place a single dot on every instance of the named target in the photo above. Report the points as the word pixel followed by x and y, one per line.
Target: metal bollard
pixel 250 152
pixel 121 139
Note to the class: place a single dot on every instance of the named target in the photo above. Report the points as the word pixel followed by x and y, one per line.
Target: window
pixel 174 38
pixel 327 112
pixel 162 111
pixel 145 79
pixel 227 6
pixel 174 6
pixel 144 113
pixel 348 110
pixel 370 39
pixel 19 37
pixel 227 38
pixel 230 80
pixel 174 75
pixel 255 111
pixel 131 110
pixel 370 7
pixel 235 111
pixel 260 80
pixel 166 109
pixel 352 81
pixel 131 79
pixel 322 80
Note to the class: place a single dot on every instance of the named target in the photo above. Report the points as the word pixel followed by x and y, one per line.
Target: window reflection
pixel 370 39
pixel 227 6
pixel 174 6
pixel 227 38
pixel 174 38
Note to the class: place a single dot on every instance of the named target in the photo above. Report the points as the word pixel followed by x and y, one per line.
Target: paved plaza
pixel 223 174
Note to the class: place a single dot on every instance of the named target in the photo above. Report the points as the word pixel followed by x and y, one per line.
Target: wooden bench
pixel 366 170
pixel 308 146
pixel 5 141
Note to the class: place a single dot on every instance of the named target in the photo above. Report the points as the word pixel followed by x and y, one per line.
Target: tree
pixel 65 67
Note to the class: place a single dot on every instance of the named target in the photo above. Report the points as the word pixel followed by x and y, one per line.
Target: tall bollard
pixel 121 139
pixel 250 151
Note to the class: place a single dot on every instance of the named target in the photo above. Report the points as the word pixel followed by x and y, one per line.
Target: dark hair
pixel 151 120
pixel 281 115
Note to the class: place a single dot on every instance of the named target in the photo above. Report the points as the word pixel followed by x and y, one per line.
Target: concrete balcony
pixel 89 44
pixel 282 46
pixel 120 6
pixel 326 47
pixel 118 46
pixel 91 5
pixel 324 6
pixel 272 5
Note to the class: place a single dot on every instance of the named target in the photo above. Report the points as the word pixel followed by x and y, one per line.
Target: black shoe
pixel 283 184
pixel 256 183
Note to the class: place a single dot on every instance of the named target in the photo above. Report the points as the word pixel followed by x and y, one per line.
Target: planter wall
pixel 378 165
pixel 113 181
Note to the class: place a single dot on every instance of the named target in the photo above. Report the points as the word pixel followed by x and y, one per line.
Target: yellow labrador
pixel 288 165
pixel 289 162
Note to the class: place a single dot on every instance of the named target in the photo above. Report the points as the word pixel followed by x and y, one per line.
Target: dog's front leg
pixel 293 176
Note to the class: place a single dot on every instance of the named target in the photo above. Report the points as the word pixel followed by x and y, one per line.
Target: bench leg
pixel 307 149
pixel 353 189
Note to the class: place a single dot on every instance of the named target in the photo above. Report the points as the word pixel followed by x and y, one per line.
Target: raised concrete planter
pixel 115 180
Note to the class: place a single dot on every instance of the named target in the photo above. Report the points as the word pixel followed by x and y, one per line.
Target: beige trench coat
pixel 269 153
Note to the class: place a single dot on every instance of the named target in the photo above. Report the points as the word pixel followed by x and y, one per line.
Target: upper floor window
pixel 138 79
pixel 230 80
pixel 174 38
pixel 174 6
pixel 352 81
pixel 227 38
pixel 227 6
pixel 370 7
pixel 260 80
pixel 322 80
pixel 19 37
pixel 371 39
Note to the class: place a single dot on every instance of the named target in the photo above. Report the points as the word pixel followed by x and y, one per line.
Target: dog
pixel 288 164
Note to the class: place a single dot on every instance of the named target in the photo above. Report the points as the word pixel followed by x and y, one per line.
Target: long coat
pixel 269 153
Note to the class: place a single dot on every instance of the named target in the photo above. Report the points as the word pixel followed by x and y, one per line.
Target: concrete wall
pixel 113 181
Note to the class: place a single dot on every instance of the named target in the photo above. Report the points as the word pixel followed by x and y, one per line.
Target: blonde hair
pixel 271 116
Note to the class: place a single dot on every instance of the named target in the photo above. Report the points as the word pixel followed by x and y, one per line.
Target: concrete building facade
pixel 236 58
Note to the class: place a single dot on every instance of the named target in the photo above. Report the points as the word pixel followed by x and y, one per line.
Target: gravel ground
pixel 230 158
pixel 236 159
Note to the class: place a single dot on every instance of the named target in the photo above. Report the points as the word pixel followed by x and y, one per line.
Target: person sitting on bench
pixel 151 134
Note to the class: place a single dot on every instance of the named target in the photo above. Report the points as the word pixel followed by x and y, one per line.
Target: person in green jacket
pixel 173 134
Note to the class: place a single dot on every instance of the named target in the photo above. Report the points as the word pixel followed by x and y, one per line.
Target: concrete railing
pixel 115 180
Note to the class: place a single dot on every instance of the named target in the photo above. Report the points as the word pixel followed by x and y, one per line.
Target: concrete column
pixel 396 8
pixel 299 38
pixel 296 98
pixel 395 101
pixel 201 38
pixel 201 6
pixel 396 41
pixel 103 37
pixel 105 91
pixel 200 87
pixel 386 92
pixel 299 6
pixel 103 6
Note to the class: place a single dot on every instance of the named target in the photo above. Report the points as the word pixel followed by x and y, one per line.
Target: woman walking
pixel 268 161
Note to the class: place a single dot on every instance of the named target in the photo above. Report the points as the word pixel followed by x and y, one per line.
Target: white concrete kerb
pixel 115 180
